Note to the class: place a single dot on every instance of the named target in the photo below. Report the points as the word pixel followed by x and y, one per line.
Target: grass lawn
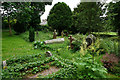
pixel 18 45
pixel 15 46
pixel 106 33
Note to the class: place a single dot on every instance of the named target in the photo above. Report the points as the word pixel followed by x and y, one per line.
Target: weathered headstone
pixel 54 34
pixel 48 54
pixel 90 39
pixel 71 39
pixel 62 33
pixel 54 41
pixel 4 64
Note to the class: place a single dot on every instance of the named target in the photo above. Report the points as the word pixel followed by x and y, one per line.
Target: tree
pixel 114 15
pixel 26 14
pixel 60 17
pixel 86 17
pixel 8 13
pixel 37 9
pixel 22 16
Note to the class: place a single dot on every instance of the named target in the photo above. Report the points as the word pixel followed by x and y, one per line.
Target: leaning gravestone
pixel 90 39
pixel 54 41
pixel 48 54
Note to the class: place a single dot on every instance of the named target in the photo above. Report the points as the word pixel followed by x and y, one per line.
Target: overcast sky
pixel 71 3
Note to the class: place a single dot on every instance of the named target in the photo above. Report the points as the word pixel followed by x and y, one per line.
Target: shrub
pixel 109 60
pixel 109 46
pixel 41 45
pixel 88 70
pixel 31 34
pixel 116 70
pixel 77 42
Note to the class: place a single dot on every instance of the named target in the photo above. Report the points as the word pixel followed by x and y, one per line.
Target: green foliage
pixel 88 69
pixel 78 42
pixel 116 70
pixel 44 28
pixel 71 65
pixel 109 46
pixel 18 69
pixel 31 34
pixel 86 17
pixel 82 68
pixel 60 17
pixel 114 15
pixel 40 45
pixel 20 27
pixel 26 14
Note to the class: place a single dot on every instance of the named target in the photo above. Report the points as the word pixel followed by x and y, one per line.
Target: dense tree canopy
pixel 86 17
pixel 114 15
pixel 26 13
pixel 60 17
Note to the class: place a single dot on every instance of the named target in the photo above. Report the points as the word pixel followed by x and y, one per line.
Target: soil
pixel 51 70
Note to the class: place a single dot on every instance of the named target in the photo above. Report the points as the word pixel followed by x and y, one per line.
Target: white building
pixel 44 22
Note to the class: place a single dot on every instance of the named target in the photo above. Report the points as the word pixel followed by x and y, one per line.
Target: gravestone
pixel 62 34
pixel 71 39
pixel 4 64
pixel 48 54
pixel 90 39
pixel 54 41
pixel 54 34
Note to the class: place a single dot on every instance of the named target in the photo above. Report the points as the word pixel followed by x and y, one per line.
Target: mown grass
pixel 15 46
pixel 19 45
pixel 106 33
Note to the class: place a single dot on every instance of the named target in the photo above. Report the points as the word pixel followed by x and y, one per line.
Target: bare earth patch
pixel 51 70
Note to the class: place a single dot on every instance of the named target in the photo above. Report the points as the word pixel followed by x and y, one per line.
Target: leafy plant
pixel 116 70
pixel 109 46
pixel 81 68
pixel 41 45
pixel 77 42
pixel 94 49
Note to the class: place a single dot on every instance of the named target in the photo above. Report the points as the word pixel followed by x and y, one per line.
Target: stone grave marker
pixel 48 54
pixel 54 41
pixel 54 34
pixel 71 39
pixel 62 34
pixel 4 64
pixel 90 39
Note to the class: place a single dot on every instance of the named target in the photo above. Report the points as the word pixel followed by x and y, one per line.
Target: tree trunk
pixel 10 31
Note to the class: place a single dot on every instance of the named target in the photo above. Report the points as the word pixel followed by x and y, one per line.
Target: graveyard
pixel 78 44
pixel 28 61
